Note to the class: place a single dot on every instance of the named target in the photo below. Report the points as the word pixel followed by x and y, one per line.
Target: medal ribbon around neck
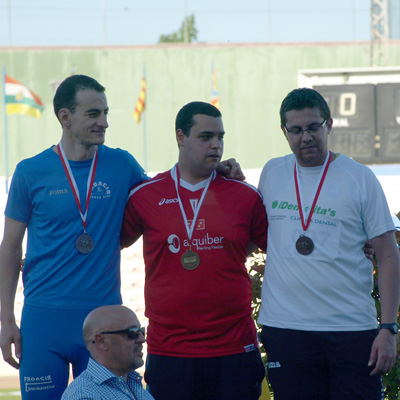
pixel 73 184
pixel 196 212
pixel 316 192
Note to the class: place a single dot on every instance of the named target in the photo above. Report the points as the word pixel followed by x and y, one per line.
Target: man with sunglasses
pixel 319 319
pixel 197 226
pixel 114 338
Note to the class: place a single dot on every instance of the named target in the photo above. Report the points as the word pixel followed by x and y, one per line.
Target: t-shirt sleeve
pixel 375 211
pixel 138 174
pixel 259 224
pixel 132 225
pixel 19 203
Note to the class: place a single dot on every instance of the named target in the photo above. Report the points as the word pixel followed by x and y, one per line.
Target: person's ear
pixel 100 341
pixel 329 125
pixel 64 116
pixel 180 137
pixel 284 131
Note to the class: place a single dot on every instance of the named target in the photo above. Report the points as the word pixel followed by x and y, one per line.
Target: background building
pixel 252 80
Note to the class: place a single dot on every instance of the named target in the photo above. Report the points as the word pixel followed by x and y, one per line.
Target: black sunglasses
pixel 133 333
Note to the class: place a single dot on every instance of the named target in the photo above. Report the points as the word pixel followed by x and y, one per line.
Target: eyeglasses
pixel 132 333
pixel 311 129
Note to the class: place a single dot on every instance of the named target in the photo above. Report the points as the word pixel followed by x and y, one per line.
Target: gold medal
pixel 190 260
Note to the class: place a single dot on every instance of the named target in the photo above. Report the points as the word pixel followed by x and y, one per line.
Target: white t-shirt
pixel 329 289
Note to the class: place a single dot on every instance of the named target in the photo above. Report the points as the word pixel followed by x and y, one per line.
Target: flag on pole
pixel 141 103
pixel 214 91
pixel 20 100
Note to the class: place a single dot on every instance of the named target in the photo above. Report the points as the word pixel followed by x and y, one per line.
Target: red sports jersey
pixel 205 312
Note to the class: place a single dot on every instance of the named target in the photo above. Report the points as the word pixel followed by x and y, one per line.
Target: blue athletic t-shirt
pixel 55 274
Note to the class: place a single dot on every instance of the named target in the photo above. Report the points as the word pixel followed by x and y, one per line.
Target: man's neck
pixel 190 177
pixel 115 371
pixel 119 373
pixel 321 162
pixel 76 152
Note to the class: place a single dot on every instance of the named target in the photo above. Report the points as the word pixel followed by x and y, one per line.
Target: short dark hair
pixel 298 99
pixel 65 96
pixel 184 119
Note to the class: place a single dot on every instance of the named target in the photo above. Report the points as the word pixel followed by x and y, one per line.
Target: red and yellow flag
pixel 20 100
pixel 141 103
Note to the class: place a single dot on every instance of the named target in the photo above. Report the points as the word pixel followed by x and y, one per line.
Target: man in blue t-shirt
pixel 70 198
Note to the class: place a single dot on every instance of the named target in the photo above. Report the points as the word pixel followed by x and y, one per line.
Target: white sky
pixel 127 22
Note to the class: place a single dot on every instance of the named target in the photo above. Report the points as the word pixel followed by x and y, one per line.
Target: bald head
pixel 106 318
pixel 106 337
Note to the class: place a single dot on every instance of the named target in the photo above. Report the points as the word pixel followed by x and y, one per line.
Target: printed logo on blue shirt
pixel 56 192
pixel 100 190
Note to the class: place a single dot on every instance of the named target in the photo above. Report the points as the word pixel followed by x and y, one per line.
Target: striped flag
pixel 20 100
pixel 141 103
pixel 214 91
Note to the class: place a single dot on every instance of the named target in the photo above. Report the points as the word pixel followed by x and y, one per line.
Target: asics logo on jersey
pixel 167 201
pixel 174 243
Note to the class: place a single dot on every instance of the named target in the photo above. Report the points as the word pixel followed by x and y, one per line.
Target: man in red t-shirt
pixel 197 226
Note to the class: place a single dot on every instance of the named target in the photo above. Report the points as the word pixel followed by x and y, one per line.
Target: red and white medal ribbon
pixel 316 193
pixel 73 184
pixel 176 178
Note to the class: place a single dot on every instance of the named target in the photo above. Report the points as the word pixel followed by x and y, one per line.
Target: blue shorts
pixel 51 340
pixel 233 377
pixel 309 365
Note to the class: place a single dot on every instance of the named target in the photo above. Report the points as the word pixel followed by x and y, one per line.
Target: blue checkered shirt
pixel 99 383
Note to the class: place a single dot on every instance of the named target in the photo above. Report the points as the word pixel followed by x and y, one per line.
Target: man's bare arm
pixel 383 352
pixel 10 264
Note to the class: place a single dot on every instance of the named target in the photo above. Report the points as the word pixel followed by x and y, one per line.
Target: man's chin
pixel 311 159
pixel 213 162
pixel 138 362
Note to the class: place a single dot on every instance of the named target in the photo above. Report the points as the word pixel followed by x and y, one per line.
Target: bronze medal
pixel 304 245
pixel 190 260
pixel 84 244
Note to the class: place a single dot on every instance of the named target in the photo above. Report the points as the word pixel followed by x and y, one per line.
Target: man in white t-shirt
pixel 320 328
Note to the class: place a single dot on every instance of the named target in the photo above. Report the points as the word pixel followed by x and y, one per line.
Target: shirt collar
pixel 102 374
